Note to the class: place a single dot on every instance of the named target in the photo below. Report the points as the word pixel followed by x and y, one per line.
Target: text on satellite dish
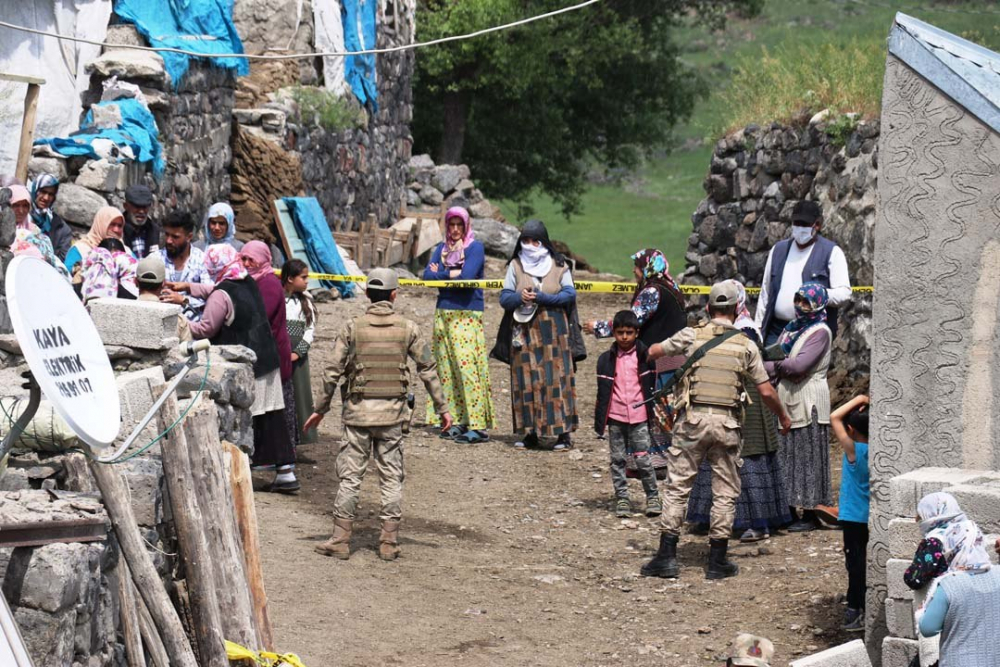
pixel 70 364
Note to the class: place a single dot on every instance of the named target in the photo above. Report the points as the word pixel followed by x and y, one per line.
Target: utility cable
pixel 298 56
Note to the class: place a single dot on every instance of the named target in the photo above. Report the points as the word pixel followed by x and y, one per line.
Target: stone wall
pixel 756 176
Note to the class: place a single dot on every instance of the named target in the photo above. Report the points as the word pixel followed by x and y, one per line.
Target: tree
pixel 531 107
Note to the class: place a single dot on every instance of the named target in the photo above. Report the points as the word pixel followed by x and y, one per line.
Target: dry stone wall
pixel 756 176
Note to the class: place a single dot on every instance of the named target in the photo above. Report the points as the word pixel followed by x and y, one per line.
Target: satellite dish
pixel 64 350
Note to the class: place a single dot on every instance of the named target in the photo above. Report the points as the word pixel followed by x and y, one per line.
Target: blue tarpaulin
pixel 359 35
pixel 321 249
pixel 204 26
pixel 137 131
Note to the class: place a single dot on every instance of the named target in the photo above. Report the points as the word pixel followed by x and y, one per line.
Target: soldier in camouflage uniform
pixel 371 354
pixel 709 407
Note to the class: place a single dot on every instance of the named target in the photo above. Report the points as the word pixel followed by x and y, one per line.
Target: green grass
pixel 822 52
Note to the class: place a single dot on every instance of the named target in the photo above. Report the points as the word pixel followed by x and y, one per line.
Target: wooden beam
pixel 129 617
pixel 27 131
pixel 21 78
pixel 154 645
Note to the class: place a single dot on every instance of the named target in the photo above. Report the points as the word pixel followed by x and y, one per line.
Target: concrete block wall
pixel 851 654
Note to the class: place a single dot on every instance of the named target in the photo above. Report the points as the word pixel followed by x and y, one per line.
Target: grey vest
pixel 972 624
pixel 817 270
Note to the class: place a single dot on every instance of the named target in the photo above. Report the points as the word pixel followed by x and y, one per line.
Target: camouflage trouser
pixel 698 437
pixel 625 440
pixel 356 449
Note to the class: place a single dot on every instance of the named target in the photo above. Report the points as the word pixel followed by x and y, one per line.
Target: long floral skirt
pixel 542 381
pixel 762 503
pixel 805 464
pixel 464 369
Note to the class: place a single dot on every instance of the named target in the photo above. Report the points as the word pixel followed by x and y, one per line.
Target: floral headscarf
pixel 32 242
pixel 655 269
pixel 42 217
pixel 261 254
pixel 816 297
pixel 938 511
pixel 965 551
pixel 223 263
pixel 105 270
pixel 220 210
pixel 453 254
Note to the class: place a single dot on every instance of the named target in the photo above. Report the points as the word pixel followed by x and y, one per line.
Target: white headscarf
pixel 965 551
pixel 938 511
pixel 535 260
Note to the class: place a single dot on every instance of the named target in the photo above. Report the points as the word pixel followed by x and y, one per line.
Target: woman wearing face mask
pixel 219 227
pixel 540 338
pixel 43 190
pixel 805 452
pixel 459 341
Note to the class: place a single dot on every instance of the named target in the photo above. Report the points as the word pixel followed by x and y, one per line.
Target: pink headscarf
pixel 20 193
pixel 453 254
pixel 261 254
pixel 223 263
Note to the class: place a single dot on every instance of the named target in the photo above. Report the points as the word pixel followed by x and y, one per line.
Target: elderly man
pixel 806 257
pixel 142 233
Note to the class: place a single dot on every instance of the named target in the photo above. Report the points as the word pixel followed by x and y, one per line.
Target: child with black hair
pixel 850 427
pixel 300 320
pixel 625 379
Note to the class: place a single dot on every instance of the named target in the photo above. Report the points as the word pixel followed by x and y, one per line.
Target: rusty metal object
pixel 38 533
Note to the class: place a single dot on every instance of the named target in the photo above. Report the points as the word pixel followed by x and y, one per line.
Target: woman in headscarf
pixel 256 258
pixel 219 226
pixel 28 238
pixel 762 505
pixel 109 272
pixel 962 604
pixel 459 341
pixel 108 223
pixel 805 452
pixel 43 191
pixel 235 314
pixel 659 305
pixel 540 339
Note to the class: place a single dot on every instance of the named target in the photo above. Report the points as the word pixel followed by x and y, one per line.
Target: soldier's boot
pixel 719 567
pixel 664 563
pixel 338 546
pixel 388 541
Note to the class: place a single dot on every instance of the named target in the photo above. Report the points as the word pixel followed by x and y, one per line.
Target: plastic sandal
pixel 473 437
pixel 452 433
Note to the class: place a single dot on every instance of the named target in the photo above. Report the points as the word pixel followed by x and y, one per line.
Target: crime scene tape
pixel 596 287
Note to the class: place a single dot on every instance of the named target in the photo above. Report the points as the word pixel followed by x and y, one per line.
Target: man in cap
pixel 806 257
pixel 141 233
pixel 150 275
pixel 371 354
pixel 750 651
pixel 708 403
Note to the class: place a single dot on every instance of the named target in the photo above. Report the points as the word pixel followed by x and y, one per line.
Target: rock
pixel 140 324
pixel 446 177
pixel 548 578
pixel 484 209
pixel 419 162
pixel 129 64
pixel 102 175
pixel 77 204
pixel 820 117
pixel 38 164
pixel 431 195
pixel 498 238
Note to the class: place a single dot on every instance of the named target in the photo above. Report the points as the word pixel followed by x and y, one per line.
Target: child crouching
pixel 625 378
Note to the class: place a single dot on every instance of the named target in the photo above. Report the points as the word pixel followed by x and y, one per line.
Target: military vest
pixel 379 360
pixel 717 378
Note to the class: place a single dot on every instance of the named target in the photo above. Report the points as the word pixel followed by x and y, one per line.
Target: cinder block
pixel 899 618
pixel 894 569
pixel 903 495
pixel 897 652
pixel 135 392
pixel 904 535
pixel 851 654
pixel 906 490
pixel 979 498
pixel 139 324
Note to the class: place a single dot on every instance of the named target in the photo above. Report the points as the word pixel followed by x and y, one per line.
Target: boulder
pixel 77 204
pixel 47 165
pixel 418 162
pixel 447 177
pixel 498 238
pixel 102 175
pixel 129 64
pixel 431 195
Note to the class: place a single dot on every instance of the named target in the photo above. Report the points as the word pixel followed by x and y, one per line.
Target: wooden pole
pixel 129 617
pixel 147 581
pixel 27 131
pixel 189 523
pixel 154 645
pixel 201 429
pixel 246 518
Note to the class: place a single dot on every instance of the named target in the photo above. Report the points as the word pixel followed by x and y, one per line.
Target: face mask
pixel 533 253
pixel 803 235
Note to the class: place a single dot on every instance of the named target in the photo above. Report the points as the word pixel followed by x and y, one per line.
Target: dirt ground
pixel 512 557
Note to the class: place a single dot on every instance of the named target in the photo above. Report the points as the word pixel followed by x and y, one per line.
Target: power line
pixel 321 54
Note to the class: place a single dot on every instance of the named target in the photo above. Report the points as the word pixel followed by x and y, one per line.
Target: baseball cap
pixel 806 213
pixel 723 294
pixel 139 195
pixel 151 270
pixel 383 279
pixel 751 651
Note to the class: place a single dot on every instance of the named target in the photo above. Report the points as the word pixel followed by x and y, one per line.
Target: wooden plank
pixel 290 239
pixel 246 518
pixel 21 78
pixel 129 616
pixel 147 580
pixel 154 645
pixel 27 131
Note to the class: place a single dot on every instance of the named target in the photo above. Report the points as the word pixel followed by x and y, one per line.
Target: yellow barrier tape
pixel 264 658
pixel 596 287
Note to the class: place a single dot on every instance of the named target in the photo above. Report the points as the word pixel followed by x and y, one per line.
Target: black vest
pixel 816 270
pixel 668 319
pixel 250 327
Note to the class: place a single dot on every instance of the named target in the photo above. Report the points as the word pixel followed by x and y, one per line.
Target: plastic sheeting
pixel 204 26
pixel 359 34
pixel 60 63
pixel 137 131
pixel 321 249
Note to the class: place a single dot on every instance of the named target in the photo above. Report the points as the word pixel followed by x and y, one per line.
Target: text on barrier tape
pixel 580 285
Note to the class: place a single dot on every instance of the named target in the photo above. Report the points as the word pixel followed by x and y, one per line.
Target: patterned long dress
pixel 543 383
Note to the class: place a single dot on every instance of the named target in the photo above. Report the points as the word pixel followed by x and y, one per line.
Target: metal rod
pixel 34 399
